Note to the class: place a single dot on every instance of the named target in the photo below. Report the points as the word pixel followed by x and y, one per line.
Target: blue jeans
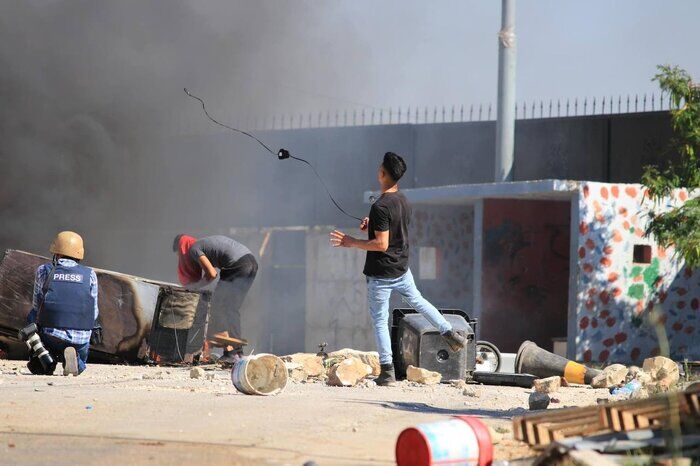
pixel 378 294
pixel 55 346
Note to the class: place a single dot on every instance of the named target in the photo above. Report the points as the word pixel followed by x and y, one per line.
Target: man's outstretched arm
pixel 380 243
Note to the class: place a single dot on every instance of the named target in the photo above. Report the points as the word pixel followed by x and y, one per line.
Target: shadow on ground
pixel 424 408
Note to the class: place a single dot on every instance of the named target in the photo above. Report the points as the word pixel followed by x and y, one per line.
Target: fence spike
pixel 416 114
pixel 480 111
pixel 652 102
pixel 532 112
pixel 576 106
pixel 461 112
pixel 488 116
pixel 567 107
pixel 636 102
pixel 644 103
pixel 471 112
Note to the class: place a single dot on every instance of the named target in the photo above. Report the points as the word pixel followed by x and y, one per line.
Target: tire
pixel 488 347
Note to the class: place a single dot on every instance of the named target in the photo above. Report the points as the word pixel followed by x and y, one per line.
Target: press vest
pixel 68 303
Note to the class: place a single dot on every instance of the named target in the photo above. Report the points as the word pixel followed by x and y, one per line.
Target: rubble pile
pixel 657 375
pixel 348 372
pixel 422 376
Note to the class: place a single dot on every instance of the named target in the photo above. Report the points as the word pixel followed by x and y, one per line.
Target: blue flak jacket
pixel 67 302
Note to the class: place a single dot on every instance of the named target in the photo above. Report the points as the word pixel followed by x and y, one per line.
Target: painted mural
pixel 628 287
pixel 450 231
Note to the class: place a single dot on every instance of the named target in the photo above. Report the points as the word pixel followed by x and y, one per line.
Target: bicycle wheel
pixel 488 358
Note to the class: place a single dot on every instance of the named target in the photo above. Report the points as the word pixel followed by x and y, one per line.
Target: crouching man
pixel 64 306
pixel 238 268
pixel 386 266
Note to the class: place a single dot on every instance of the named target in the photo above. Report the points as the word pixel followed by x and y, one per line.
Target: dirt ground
pixel 159 415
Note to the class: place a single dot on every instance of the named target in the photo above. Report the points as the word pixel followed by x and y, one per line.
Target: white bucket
pixel 262 374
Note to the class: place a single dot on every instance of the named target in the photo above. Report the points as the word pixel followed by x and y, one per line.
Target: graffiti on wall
pixel 525 271
pixel 618 291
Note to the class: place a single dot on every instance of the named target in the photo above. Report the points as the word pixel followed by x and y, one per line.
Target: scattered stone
pixel 612 376
pixel 348 372
pixel 459 384
pixel 39 390
pixel 210 376
pixel 422 376
pixel 367 383
pixel 471 391
pixel 547 385
pixel 538 401
pixel 640 394
pixel 555 400
pixel 304 365
pixel 154 376
pixel 371 358
pixel 47 383
pixel 196 373
pixel 663 371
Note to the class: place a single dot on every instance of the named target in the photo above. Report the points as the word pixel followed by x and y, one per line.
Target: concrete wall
pixel 525 272
pixel 616 295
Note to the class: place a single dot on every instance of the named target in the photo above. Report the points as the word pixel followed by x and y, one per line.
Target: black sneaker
pixel 387 376
pixel 456 341
pixel 229 358
pixel 70 366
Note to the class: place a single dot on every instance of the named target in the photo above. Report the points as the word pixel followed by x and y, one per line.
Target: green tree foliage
pixel 679 227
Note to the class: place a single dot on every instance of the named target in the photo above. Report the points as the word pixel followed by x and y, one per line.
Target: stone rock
pixel 348 372
pixel 459 384
pixel 612 376
pixel 152 376
pixel 641 394
pixel 422 376
pixel 471 391
pixel 196 373
pixel 547 385
pixel 663 371
pixel 210 376
pixel 538 401
pixel 306 365
pixel 371 358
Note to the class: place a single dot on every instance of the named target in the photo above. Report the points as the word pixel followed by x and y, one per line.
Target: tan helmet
pixel 68 243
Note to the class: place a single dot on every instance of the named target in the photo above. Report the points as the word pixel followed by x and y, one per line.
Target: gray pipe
pixel 505 124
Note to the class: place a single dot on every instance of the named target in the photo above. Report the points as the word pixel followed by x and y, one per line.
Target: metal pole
pixel 505 123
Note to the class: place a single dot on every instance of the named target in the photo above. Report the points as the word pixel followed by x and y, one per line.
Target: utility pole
pixel 505 123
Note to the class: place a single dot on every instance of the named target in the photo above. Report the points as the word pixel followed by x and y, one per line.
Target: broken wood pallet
pixel 540 429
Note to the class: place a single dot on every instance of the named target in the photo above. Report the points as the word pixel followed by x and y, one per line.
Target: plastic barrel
pixel 460 440
pixel 262 374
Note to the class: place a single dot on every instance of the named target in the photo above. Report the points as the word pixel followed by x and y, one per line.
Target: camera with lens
pixel 30 335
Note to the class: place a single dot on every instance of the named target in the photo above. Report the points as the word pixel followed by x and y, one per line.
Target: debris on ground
pixel 422 376
pixel 629 389
pixel 302 366
pixel 663 371
pixel 196 373
pixel 371 358
pixel 153 376
pixel 538 401
pixel 548 385
pixel 471 391
pixel 612 376
pixel 348 372
pixel 656 412
pixel 459 384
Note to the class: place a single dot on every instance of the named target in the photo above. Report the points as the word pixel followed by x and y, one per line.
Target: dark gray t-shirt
pixel 221 251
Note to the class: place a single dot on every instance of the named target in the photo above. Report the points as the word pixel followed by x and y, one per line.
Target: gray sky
pixel 391 53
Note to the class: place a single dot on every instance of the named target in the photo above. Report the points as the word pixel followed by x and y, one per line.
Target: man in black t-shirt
pixel 386 266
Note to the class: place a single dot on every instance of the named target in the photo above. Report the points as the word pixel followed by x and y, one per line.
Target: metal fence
pixel 552 108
